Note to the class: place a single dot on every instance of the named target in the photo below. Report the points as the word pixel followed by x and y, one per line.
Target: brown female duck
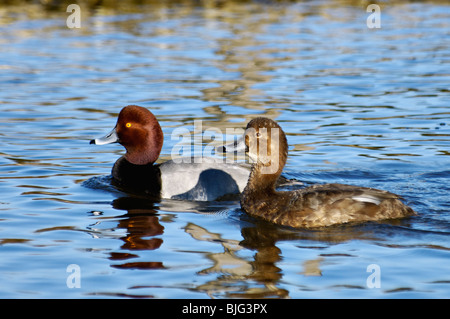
pixel 315 206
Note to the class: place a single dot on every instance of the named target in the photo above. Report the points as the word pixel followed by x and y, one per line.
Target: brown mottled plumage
pixel 315 206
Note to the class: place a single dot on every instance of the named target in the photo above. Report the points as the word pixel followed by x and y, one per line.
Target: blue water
pixel 360 106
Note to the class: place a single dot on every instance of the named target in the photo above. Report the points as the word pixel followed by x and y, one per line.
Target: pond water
pixel 364 106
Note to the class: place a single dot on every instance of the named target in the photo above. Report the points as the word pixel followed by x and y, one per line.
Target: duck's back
pixel 206 181
pixel 329 204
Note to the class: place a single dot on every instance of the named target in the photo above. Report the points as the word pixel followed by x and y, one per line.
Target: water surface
pixel 359 106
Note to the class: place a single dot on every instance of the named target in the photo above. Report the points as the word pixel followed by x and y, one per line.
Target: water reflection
pixel 246 268
pixel 261 276
pixel 142 230
pixel 235 273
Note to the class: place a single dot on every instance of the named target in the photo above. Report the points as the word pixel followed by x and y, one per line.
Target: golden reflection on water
pixel 243 51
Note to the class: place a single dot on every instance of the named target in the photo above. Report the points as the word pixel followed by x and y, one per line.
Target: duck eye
pixel 128 124
pixel 258 135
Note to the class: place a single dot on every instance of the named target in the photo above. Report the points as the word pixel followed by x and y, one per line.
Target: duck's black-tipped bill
pixel 109 138
pixel 236 146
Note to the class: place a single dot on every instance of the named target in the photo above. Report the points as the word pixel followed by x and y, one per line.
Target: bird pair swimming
pixel 139 132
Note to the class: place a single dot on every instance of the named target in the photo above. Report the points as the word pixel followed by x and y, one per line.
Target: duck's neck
pixel 144 154
pixel 261 180
pixel 142 157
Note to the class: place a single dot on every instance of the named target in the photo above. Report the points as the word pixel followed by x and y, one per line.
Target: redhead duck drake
pixel 315 206
pixel 138 130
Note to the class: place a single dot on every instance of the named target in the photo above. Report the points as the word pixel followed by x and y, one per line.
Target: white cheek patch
pixel 367 199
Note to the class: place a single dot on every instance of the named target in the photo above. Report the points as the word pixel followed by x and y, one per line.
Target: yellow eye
pixel 128 125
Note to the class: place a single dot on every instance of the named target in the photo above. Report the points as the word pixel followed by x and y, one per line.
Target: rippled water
pixel 360 106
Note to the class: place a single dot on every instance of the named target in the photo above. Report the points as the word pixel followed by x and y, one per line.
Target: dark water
pixel 360 106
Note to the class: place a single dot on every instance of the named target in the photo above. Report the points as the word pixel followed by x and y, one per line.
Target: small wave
pixel 103 183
